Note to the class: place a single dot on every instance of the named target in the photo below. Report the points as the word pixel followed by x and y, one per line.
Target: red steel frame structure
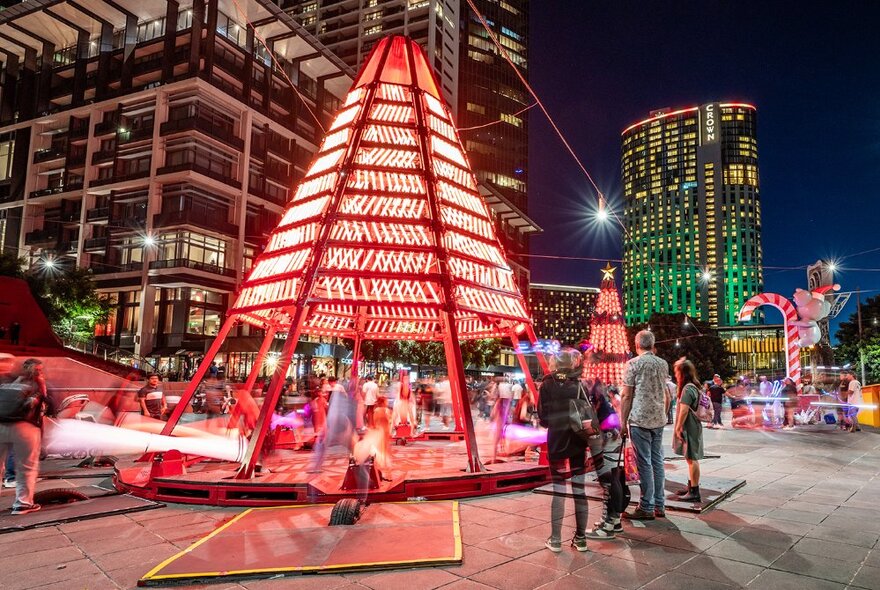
pixel 385 238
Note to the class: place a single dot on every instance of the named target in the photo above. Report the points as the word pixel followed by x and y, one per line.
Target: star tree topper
pixel 608 272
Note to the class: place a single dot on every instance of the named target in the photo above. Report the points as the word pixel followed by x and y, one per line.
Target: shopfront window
pixel 205 312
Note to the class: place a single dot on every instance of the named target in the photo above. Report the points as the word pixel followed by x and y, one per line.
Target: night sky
pixel 812 73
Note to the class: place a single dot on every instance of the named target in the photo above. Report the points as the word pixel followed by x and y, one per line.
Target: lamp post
pixel 861 344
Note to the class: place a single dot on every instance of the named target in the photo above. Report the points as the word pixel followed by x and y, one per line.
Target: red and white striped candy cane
pixel 789 313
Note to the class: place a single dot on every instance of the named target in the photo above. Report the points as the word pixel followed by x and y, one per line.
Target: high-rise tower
pixel 692 213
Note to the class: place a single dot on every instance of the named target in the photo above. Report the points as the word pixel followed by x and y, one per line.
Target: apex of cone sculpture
pixel 397 59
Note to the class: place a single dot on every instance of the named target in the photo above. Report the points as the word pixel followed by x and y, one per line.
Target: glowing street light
pixel 602 212
pixel 149 241
pixel 707 276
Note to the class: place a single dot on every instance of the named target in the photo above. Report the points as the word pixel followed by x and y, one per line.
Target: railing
pixel 98 214
pixel 48 154
pixel 120 178
pixel 106 127
pixel 199 216
pixel 79 129
pixel 205 126
pixel 219 176
pixel 109 353
pixel 56 190
pixel 135 135
pixel 103 156
pixel 192 264
pixel 40 236
pixel 99 243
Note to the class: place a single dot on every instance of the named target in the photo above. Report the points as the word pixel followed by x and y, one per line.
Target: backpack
pixel 582 416
pixel 703 413
pixel 16 401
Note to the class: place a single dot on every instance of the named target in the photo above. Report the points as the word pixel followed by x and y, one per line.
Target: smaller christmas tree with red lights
pixel 609 348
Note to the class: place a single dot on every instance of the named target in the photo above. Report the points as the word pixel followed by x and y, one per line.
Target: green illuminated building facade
pixel 692 213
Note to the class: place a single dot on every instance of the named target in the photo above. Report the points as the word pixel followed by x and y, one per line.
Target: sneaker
pixel 600 534
pixel 553 545
pixel 25 509
pixel 8 483
pixel 579 543
pixel 659 513
pixel 639 514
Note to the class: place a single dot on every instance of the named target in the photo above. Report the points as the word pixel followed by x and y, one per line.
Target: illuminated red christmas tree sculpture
pixel 607 334
pixel 385 238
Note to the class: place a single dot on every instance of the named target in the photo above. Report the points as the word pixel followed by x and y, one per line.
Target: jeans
pixel 648 443
pixel 577 465
pixel 9 471
pixel 716 416
pixel 24 439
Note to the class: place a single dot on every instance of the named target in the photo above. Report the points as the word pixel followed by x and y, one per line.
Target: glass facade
pixel 692 213
pixel 562 312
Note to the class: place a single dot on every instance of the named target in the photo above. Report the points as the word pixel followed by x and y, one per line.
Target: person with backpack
pixel 23 403
pixel 688 430
pixel 566 449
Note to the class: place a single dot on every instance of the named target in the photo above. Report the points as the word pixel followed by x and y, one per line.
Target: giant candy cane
pixel 789 312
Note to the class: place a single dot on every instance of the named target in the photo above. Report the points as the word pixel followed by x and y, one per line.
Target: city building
pixel 692 213
pixel 156 144
pixel 484 92
pixel 562 312
pixel 757 350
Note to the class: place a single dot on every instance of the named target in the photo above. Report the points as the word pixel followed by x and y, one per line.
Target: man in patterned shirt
pixel 644 406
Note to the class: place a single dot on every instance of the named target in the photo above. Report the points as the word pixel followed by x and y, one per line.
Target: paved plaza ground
pixel 807 518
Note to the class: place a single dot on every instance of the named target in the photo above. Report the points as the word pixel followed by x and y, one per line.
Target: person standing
pixel 854 399
pixel 7 375
pixel 443 399
pixel 606 450
pixel 716 395
pixel 14 333
pixel 22 434
pixel 151 398
pixel 517 390
pixel 789 402
pixel 670 412
pixel 645 404
pixel 370 391
pixel 566 451
pixel 688 432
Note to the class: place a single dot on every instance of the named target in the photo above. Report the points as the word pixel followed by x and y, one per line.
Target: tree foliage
pixel 697 341
pixel 851 346
pixel 12 265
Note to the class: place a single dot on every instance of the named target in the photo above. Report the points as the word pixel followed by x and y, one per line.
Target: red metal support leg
pixel 524 365
pixel 258 362
pixel 455 366
pixel 190 390
pixel 264 421
pixel 542 361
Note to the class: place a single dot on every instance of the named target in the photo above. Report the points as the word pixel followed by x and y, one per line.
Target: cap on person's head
pixel 716 376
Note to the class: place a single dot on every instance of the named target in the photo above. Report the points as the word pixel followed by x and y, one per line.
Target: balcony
pixel 79 129
pixel 98 214
pixel 103 156
pixel 258 190
pixel 279 173
pixel 131 266
pixel 106 127
pixel 216 175
pixel 279 145
pixel 193 265
pixel 57 190
pixel 129 222
pixel 69 217
pixel 197 216
pixel 131 135
pixel 48 154
pixel 77 157
pixel 40 237
pixel 119 178
pixel 95 244
pixel 204 126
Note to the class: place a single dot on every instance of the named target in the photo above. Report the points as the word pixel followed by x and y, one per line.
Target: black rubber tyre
pixel 345 512
pixel 59 496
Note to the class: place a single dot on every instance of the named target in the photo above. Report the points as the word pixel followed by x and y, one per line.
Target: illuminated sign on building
pixel 710 123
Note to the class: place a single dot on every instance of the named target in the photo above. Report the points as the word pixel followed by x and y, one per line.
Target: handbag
pixel 582 417
pixel 703 413
pixel 630 465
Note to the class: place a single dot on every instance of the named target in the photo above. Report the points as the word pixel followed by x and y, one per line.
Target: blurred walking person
pixel 23 404
pixel 566 451
pixel 716 394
